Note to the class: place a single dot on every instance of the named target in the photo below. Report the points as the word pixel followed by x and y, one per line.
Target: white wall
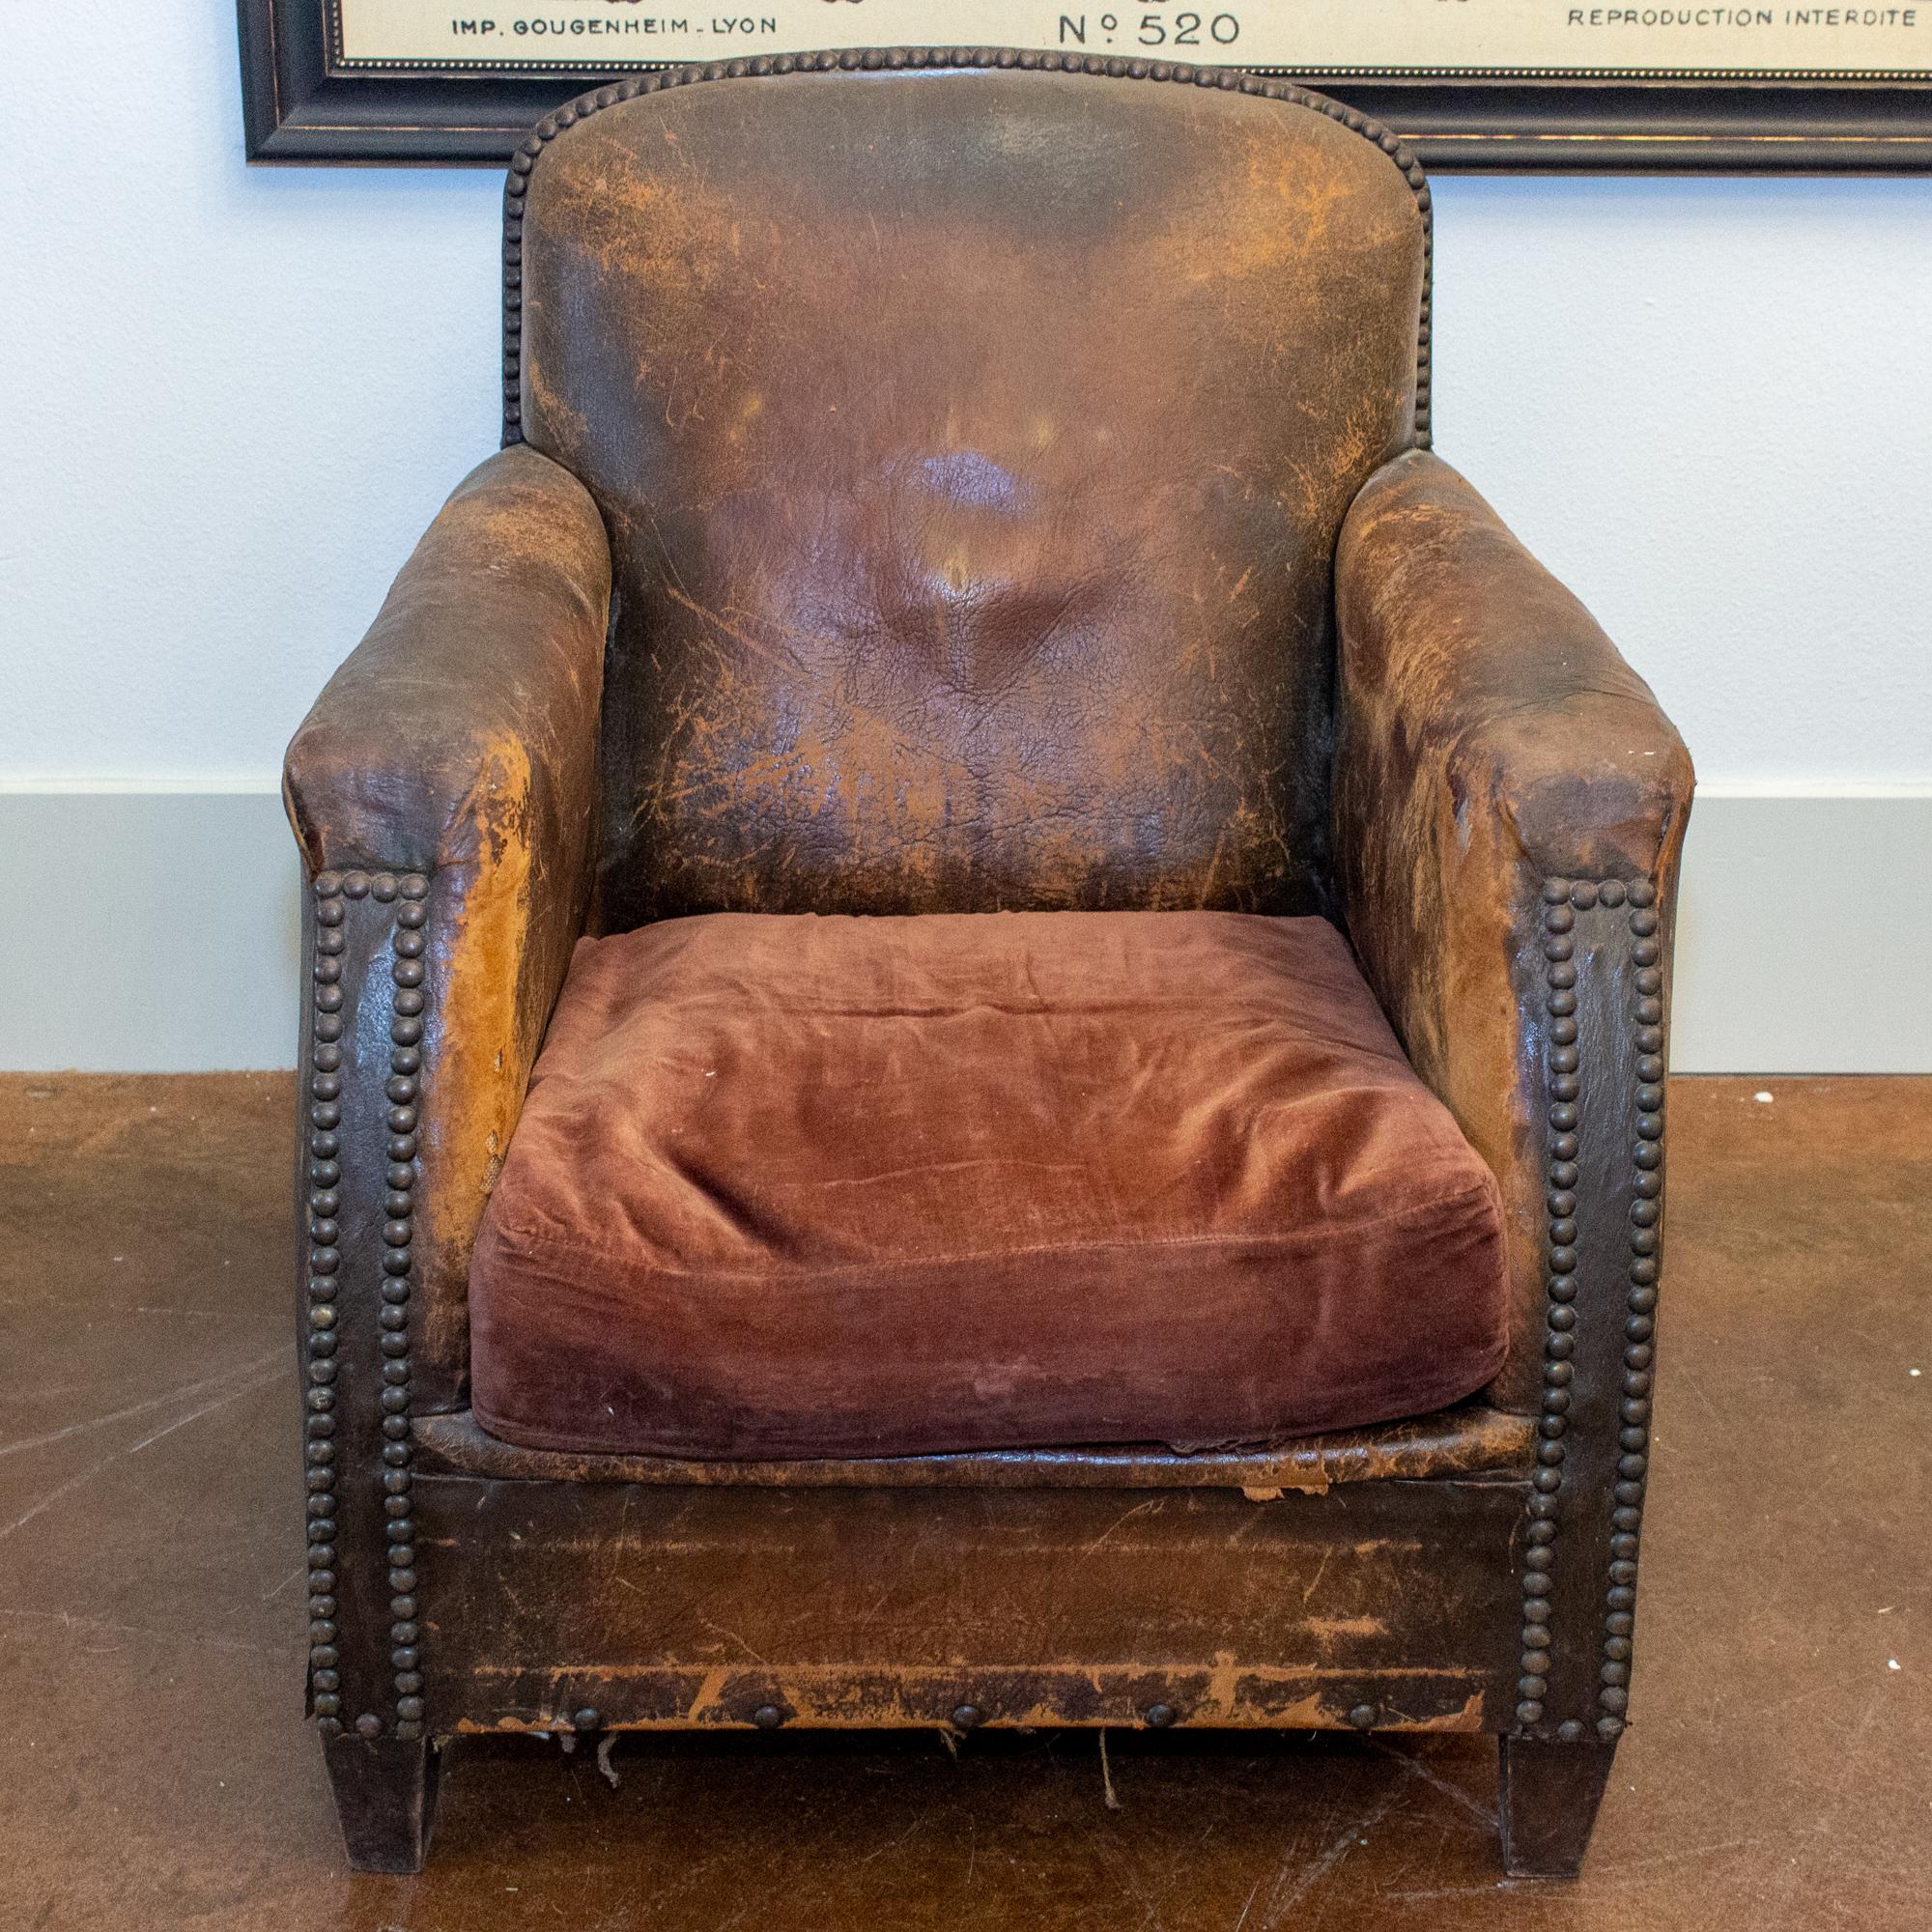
pixel 238 395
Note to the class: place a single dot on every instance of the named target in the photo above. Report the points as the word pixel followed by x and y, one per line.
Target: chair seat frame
pixel 1470 1572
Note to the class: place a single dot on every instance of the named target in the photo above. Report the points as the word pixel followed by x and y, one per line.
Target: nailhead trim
pixel 325 1262
pixel 1560 974
pixel 1562 900
pixel 403 1088
pixel 1228 80
pixel 1645 1215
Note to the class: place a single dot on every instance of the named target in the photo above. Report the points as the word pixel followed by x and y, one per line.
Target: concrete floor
pixel 155 1773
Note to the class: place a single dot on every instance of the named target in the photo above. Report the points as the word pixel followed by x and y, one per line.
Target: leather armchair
pixel 1089 565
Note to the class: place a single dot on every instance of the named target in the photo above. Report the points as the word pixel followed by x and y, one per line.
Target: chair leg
pixel 1548 1797
pixel 384 1800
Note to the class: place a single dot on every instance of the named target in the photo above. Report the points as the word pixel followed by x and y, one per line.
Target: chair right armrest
pixel 456 751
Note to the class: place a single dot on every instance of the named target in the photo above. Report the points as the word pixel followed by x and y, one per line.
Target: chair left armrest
pixel 1509 805
pixel 1492 747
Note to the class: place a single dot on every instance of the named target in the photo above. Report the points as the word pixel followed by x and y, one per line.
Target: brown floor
pixel 155 1771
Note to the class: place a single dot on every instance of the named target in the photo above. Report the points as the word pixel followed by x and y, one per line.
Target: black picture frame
pixel 295 109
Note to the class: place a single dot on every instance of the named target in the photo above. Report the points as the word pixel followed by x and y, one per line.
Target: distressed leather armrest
pixel 458 746
pixel 1491 744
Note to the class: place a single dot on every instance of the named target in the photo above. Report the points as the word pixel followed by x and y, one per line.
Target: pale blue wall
pixel 236 394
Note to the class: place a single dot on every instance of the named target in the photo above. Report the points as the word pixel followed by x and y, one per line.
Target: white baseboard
pixel 1805 932
pixel 148 931
pixel 156 931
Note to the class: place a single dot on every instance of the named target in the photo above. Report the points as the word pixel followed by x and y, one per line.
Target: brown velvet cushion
pixel 788 1185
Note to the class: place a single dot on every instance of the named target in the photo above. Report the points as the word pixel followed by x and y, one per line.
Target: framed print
pixel 1541 84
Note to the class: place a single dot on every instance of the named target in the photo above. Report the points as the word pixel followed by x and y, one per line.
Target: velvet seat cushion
pixel 791 1185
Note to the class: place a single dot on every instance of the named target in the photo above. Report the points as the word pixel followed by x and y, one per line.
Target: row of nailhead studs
pixel 965 1718
pixel 1562 900
pixel 968 1717
pixel 325 1202
pixel 402 1092
pixel 870 59
pixel 1645 1214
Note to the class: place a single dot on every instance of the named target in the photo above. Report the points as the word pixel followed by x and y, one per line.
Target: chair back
pixel 972 442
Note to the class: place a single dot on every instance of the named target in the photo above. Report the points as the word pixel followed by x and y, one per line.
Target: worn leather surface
pixel 1467 1439
pixel 458 739
pixel 1489 737
pixel 791 1186
pixel 972 446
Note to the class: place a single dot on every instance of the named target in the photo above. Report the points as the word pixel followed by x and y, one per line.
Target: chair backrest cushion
pixel 973 445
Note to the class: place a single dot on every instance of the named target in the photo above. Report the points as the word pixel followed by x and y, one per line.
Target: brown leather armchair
pixel 989 971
